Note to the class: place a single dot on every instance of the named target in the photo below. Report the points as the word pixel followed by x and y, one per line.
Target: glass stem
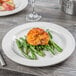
pixel 33 7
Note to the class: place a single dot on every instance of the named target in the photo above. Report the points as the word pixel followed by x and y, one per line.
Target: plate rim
pixel 44 65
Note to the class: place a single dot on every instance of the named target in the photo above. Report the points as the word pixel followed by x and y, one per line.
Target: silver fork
pixel 2 60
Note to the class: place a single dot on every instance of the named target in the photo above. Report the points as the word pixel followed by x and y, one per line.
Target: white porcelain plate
pixel 19 6
pixel 60 35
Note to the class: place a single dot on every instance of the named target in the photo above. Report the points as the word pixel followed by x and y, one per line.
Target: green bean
pixel 40 53
pixel 49 33
pixel 59 49
pixel 39 47
pixel 26 51
pixel 25 45
pixel 19 44
pixel 21 49
pixel 50 49
pixel 33 54
pixel 27 56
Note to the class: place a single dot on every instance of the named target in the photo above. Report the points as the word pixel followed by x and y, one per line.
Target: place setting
pixel 36 43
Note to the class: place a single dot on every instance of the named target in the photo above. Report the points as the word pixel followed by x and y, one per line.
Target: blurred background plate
pixel 19 6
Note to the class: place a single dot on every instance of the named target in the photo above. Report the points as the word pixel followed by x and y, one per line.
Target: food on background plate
pixel 36 42
pixel 7 5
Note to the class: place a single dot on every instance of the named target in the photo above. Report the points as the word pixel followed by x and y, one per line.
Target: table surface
pixel 54 15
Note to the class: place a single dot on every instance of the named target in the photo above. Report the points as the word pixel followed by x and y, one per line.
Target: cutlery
pixel 2 60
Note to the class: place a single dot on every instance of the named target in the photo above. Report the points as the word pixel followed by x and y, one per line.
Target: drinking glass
pixel 33 16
